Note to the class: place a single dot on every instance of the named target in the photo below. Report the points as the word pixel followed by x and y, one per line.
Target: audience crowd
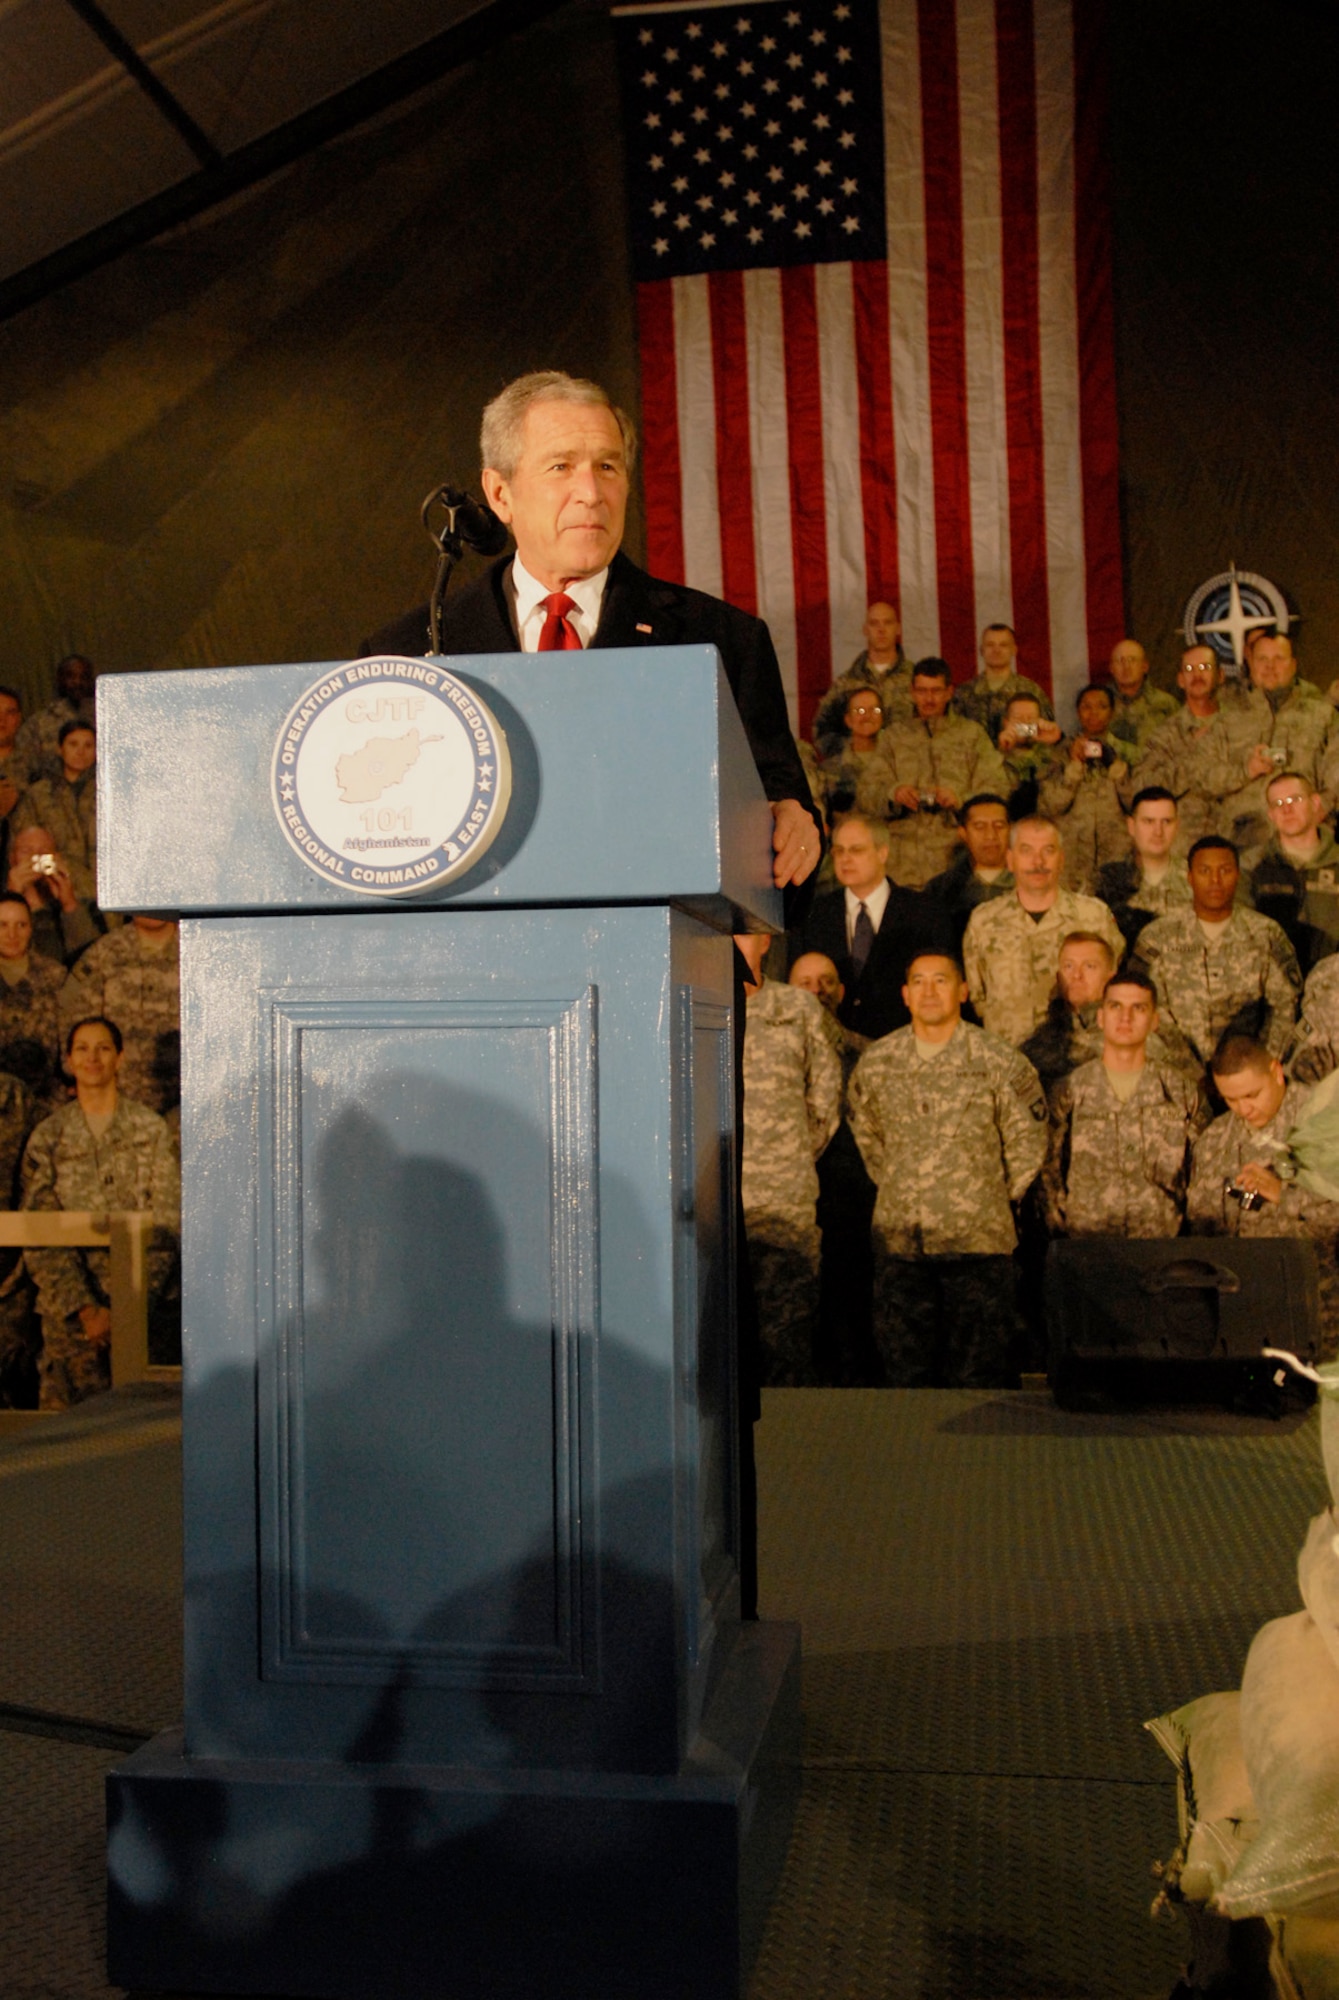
pixel 89 1058
pixel 1055 982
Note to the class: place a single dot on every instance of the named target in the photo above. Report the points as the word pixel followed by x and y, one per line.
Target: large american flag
pixel 871 245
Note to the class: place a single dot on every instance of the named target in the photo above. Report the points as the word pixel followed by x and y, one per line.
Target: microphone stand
pixel 450 548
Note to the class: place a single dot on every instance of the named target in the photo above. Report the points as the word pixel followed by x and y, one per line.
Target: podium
pixel 469 1707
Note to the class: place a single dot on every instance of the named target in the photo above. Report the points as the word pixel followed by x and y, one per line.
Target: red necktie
pixel 558 636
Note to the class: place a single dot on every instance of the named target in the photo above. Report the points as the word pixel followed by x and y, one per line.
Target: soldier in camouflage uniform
pixel 1027 744
pixel 1199 754
pixel 1064 1038
pixel 882 666
pixel 1248 1149
pixel 951 1123
pixel 1139 708
pixel 1012 945
pixel 1315 1048
pixel 1085 791
pixel 845 1202
pixel 1287 725
pixel 133 976
pixel 1296 879
pixel 18 1347
pixel 1149 882
pixel 16 772
pixel 68 806
pixel 102 1152
pixel 792 1105
pixel 978 871
pixel 939 760
pixel 39 737
pixel 1121 1126
pixel 858 777
pixel 985 699
pixel 30 1035
pixel 1218 967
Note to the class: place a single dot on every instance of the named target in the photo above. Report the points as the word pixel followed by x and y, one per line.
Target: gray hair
pixel 504 418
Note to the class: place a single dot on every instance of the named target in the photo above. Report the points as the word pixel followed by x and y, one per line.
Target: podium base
pixel 384 1882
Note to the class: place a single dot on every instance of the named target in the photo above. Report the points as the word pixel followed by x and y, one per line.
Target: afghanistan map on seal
pixel 390 775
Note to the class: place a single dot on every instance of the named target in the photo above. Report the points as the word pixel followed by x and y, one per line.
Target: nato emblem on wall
pixel 389 776
pixel 1227 610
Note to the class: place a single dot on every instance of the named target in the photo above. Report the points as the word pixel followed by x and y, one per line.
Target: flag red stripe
pixel 1017 88
pixel 809 541
pixel 734 469
pixel 662 488
pixel 945 308
pixel 1098 427
pixel 878 471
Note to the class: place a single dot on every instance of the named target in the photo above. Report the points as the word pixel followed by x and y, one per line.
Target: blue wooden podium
pixel 469 1707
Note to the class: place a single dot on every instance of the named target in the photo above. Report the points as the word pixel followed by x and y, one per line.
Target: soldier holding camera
pixel 1085 792
pixel 939 759
pixel 1028 743
pixel 1242 1178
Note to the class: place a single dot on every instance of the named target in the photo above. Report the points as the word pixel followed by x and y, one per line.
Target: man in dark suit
pixel 557 458
pixel 870 928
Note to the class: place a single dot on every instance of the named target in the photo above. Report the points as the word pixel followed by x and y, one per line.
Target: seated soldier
pixel 792 1106
pixel 1121 1126
pixel 939 759
pixel 1221 969
pixel 1012 945
pixel 979 870
pixel 133 976
pixel 64 923
pixel 1063 1039
pixel 985 699
pixel 102 1152
pixel 950 1121
pixel 1315 1048
pixel 16 772
pixel 1296 879
pixel 1148 882
pixel 1139 707
pixel 1084 792
pixel 1028 741
pixel 857 776
pixel 68 806
pixel 881 667
pixel 30 1042
pixel 1242 1180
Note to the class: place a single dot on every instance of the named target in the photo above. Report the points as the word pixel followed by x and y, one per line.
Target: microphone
pixel 468 520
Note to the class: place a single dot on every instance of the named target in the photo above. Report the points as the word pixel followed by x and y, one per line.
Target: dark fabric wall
pixel 214 450
pixel 1226 173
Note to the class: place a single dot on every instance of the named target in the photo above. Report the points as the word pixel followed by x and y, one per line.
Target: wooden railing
pixel 126 1233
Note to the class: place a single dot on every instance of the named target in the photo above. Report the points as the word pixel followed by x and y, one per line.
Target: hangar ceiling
pixel 119 118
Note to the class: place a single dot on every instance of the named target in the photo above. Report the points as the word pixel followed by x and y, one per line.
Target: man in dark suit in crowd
pixel 557 459
pixel 869 928
pixel 557 462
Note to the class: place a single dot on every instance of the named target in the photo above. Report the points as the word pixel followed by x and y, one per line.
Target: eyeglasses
pixel 1197 668
pixel 1290 799
pixel 869 708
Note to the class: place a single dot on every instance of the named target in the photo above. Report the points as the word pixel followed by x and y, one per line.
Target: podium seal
pixel 390 775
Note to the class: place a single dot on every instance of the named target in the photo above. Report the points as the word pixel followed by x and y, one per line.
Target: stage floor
pixel 994 1596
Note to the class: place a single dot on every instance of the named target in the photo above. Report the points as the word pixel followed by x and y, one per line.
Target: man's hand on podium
pixel 795 843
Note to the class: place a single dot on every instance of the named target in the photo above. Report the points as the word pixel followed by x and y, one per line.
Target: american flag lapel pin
pixel 645 628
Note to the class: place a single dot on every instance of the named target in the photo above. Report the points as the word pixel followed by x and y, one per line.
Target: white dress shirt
pixel 876 903
pixel 526 595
